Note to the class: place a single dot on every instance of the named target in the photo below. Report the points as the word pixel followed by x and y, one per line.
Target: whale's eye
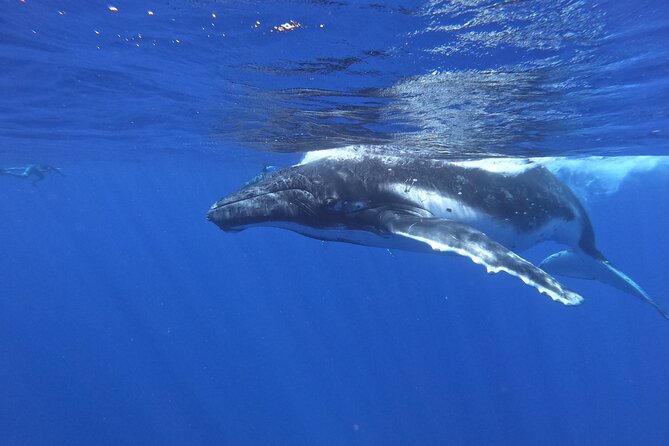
pixel 330 202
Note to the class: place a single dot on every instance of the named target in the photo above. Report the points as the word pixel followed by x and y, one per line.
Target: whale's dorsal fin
pixel 452 237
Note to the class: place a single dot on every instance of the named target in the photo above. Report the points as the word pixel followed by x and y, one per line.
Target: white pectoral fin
pixel 453 237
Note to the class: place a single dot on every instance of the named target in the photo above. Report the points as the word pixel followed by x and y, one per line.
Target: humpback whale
pixel 486 210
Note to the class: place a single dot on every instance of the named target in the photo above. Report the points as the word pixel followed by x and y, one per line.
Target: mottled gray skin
pixel 434 206
pixel 331 193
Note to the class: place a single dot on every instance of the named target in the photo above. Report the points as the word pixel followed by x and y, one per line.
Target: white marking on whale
pixel 480 209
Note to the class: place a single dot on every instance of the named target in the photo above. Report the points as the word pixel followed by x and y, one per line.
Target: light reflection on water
pixel 496 78
pixel 446 79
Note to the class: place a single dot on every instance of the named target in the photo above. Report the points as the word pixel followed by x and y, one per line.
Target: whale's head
pixel 314 198
pixel 293 196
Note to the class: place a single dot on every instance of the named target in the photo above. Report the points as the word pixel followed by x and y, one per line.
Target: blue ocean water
pixel 127 318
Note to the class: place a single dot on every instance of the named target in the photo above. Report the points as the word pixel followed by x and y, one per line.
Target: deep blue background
pixel 127 318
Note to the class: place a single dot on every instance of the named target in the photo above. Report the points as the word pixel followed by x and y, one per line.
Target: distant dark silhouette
pixel 34 171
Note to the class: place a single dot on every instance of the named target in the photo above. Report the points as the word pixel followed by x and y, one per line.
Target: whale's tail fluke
pixel 583 266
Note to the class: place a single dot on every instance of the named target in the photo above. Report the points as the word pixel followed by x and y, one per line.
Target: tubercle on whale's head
pixel 288 196
pixel 318 195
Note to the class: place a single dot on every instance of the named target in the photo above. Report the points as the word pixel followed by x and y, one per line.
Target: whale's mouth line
pixel 216 206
